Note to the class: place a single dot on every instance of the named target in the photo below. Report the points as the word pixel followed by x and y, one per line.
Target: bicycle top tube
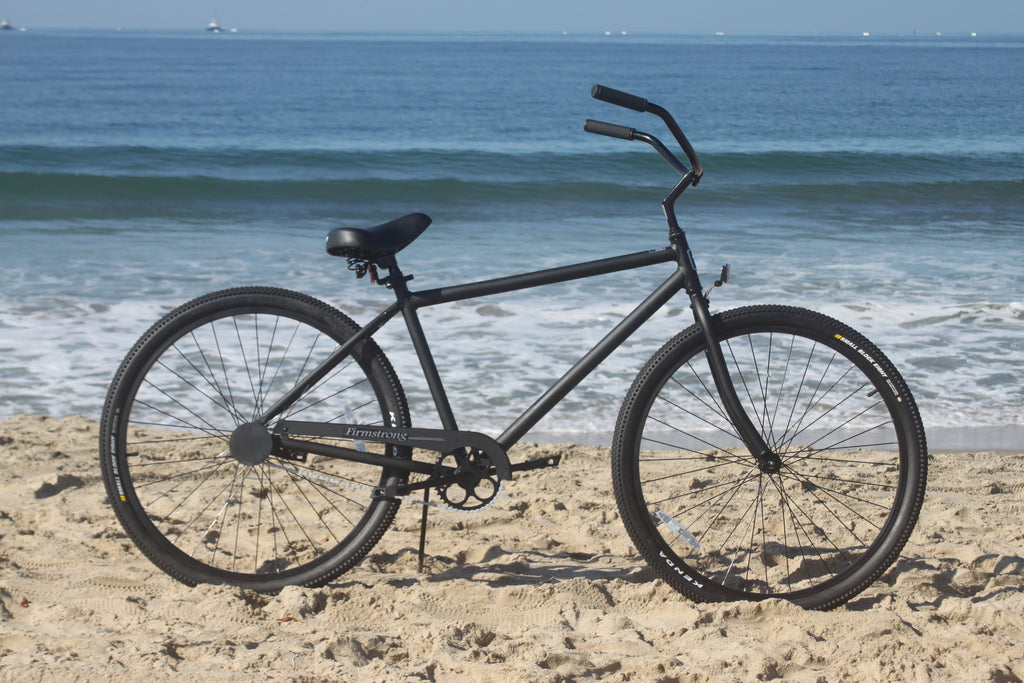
pixel 576 271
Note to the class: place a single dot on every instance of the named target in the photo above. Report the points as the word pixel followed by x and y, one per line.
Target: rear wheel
pixel 193 475
pixel 835 411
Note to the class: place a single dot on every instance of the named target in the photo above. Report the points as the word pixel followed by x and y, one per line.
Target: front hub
pixel 769 463
pixel 251 444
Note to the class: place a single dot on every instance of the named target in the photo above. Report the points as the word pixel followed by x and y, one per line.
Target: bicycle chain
pixel 371 489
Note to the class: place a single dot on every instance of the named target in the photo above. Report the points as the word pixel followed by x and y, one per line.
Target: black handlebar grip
pixel 609 129
pixel 617 97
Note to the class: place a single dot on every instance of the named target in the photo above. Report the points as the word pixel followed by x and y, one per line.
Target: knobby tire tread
pixel 629 426
pixel 116 402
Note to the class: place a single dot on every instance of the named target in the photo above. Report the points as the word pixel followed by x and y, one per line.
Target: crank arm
pixel 537 463
pixel 398 490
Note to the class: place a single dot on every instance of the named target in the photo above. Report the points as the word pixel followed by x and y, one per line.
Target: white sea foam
pixel 962 360
pixel 952 328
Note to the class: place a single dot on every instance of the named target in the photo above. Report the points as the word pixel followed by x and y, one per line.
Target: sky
pixel 793 17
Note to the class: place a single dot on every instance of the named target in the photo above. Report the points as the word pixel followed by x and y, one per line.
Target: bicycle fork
pixel 768 461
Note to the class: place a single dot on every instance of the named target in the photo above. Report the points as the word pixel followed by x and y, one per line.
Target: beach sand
pixel 542 586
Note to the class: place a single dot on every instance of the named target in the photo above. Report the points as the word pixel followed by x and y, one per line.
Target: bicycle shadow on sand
pixel 921 582
pixel 497 568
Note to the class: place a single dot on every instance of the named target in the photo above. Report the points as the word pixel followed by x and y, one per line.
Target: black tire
pixel 844 424
pixel 205 516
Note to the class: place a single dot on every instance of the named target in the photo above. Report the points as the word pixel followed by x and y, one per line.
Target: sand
pixel 542 586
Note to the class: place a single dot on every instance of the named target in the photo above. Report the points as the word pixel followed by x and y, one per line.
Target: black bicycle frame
pixel 408 303
pixel 556 392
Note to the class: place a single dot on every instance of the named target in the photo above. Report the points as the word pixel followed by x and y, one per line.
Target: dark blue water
pixel 878 179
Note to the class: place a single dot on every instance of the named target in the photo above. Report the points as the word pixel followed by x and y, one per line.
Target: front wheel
pixel 844 425
pixel 191 469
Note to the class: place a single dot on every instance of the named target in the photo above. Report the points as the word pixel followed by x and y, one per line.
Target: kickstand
pixel 423 528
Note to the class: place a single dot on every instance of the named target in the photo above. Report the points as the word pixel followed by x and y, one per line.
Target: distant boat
pixel 6 25
pixel 214 27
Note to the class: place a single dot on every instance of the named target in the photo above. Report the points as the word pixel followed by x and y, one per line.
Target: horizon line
pixel 199 29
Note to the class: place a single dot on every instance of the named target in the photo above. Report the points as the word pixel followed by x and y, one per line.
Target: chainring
pixel 473 484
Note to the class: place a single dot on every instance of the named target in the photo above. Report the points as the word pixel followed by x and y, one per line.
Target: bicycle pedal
pixel 537 463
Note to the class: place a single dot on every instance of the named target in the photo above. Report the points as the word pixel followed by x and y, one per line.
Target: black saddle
pixel 385 239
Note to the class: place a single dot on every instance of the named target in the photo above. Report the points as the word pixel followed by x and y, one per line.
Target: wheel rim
pixel 754 533
pixel 216 504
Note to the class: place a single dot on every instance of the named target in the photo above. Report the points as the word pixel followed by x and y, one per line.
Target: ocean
pixel 878 179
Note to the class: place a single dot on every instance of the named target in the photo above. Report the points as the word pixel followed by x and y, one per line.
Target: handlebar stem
pixel 668 205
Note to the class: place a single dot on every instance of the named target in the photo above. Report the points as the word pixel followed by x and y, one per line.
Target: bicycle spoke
pixel 795 531
pixel 227 507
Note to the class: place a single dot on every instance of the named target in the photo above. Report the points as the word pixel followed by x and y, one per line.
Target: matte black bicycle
pixel 259 437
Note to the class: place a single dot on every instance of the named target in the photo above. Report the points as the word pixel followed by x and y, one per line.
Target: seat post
pixel 396 280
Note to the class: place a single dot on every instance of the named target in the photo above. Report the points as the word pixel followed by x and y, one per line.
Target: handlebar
pixel 691 176
pixel 609 129
pixel 624 133
pixel 628 101
pixel 618 98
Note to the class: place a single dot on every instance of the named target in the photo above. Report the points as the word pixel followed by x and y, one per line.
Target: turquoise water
pixel 878 180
